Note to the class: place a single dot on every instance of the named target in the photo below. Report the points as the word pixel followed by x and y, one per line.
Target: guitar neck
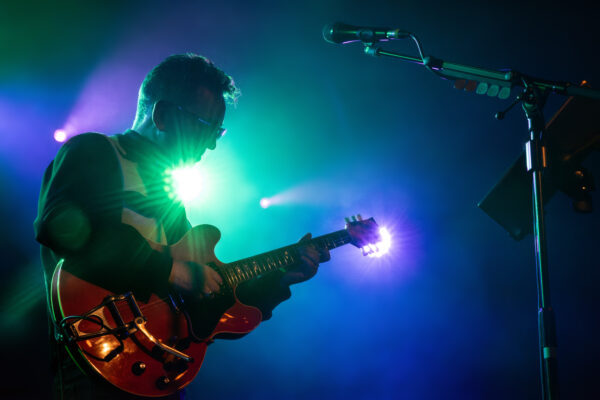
pixel 248 268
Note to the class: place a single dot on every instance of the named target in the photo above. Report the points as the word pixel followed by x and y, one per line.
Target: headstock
pixel 367 235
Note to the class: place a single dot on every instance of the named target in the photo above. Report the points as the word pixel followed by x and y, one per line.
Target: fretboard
pixel 248 268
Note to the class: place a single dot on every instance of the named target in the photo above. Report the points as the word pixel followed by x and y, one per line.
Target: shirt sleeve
pixel 79 219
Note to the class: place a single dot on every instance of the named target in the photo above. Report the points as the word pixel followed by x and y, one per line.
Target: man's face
pixel 195 127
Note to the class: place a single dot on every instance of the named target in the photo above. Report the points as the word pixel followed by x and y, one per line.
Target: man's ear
pixel 160 115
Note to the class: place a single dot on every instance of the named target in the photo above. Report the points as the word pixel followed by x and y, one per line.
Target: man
pixel 103 198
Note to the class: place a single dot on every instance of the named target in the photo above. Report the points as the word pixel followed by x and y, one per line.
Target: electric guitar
pixel 155 348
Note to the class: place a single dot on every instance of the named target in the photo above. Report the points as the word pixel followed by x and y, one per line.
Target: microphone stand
pixel 533 103
pixel 534 95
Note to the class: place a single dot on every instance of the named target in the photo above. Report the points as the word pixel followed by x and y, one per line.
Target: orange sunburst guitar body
pixel 138 365
pixel 155 347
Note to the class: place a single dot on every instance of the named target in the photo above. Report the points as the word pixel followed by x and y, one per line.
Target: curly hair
pixel 176 79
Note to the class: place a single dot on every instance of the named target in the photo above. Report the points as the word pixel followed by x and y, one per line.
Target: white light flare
pixel 381 248
pixel 60 135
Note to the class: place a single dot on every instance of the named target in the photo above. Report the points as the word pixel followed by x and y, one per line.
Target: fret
pixel 260 265
pixel 285 258
pixel 293 255
pixel 246 271
pixel 337 241
pixel 279 262
pixel 273 265
pixel 289 259
pixel 270 263
pixel 227 276
pixel 232 277
pixel 243 275
pixel 332 243
pixel 255 268
pixel 264 264
pixel 239 273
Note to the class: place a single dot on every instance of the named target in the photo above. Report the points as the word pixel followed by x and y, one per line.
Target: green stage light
pixel 186 183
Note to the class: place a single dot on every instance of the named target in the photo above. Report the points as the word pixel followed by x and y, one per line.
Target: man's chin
pixel 190 159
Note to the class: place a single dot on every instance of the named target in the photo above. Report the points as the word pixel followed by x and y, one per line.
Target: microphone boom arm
pixel 487 81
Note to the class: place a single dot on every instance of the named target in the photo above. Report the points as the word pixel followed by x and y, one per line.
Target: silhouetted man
pixel 103 199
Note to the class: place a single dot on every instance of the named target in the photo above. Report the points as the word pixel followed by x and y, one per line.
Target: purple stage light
pixel 107 100
pixel 60 135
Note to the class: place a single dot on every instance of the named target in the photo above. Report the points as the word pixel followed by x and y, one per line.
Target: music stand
pixel 571 135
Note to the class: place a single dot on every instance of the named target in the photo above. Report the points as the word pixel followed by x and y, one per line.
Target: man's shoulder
pixel 86 148
pixel 90 142
pixel 84 140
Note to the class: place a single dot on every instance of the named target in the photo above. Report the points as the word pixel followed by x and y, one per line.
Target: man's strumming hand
pixel 195 278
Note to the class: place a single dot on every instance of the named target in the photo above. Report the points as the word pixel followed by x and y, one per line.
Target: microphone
pixel 343 33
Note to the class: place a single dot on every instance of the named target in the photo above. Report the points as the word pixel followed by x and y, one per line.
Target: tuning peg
pixel 353 218
pixel 359 217
pixel 347 220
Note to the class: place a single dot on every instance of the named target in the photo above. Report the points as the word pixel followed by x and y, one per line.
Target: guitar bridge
pixel 94 323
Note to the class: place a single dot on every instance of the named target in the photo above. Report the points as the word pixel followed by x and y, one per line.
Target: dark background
pixel 451 312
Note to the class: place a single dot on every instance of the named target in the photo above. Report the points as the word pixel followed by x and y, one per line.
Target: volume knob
pixel 162 382
pixel 138 368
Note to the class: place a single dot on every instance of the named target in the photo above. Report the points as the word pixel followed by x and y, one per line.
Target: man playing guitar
pixel 106 219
